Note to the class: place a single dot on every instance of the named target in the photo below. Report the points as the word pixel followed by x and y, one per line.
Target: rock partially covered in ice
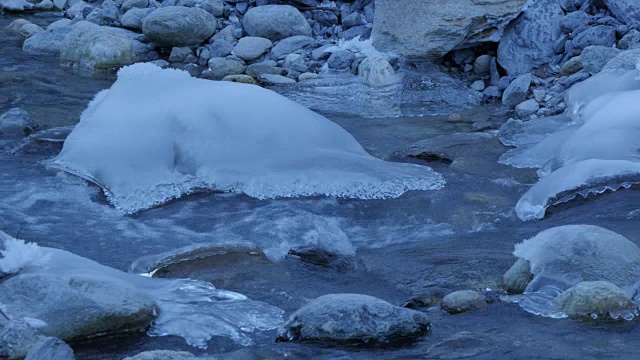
pixel 567 255
pixel 15 123
pixel 594 299
pixel 275 22
pixel 76 307
pixel 50 348
pixel 17 338
pixel 376 71
pixel 352 318
pixel 200 134
pixel 462 301
pixel 517 278
pixel 162 355
pixel 173 26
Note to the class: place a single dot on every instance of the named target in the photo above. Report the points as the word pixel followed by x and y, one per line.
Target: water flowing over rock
pixel 528 41
pixel 430 29
pixel 344 318
pixel 173 26
pixel 275 22
pixel 307 153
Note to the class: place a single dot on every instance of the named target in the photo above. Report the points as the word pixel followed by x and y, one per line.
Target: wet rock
pixel 340 60
pixel 626 60
pixel 290 45
pixel 162 355
pixel 271 79
pixel 17 338
pixel 251 47
pixel 76 307
pixel 375 71
pixel 572 66
pixel 341 318
pixel 275 22
pixel 596 297
pixel 133 18
pixel 516 279
pixel 598 35
pixel 221 67
pixel 50 348
pixel 321 257
pixel 594 58
pixel 461 345
pixel 517 90
pixel 94 48
pixel 173 26
pixel 529 41
pixel 15 25
pixel 463 301
pixel 527 108
pixel 428 299
pixel 431 29
pixel 243 79
pixel 625 10
pixel 16 123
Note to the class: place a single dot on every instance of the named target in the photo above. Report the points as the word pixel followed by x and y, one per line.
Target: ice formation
pixel 157 134
pixel 192 309
pixel 592 148
pixel 564 256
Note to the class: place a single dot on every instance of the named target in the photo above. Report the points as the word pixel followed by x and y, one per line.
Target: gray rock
pixel 340 59
pixel 351 317
pixel 594 58
pixel 46 42
pixel 243 79
pixel 290 45
pixel 221 67
pixel 504 82
pixel 15 123
pixel 517 91
pixel 271 79
pixel 364 32
pixel 572 66
pixel 625 10
pixel 134 4
pixel 626 60
pixel 226 34
pixel 44 5
pixel 321 53
pixel 292 60
pixel 255 70
pixel 478 85
pixel 76 307
pixel 516 279
pixel 307 76
pixel 375 71
pixel 491 92
pixel 351 20
pixel 58 24
pixel 275 22
pixel 494 76
pixel 213 7
pixel 575 78
pixel 28 30
pixel 459 346
pixel 179 54
pixel 133 18
pixel 178 26
pixel 463 301
pixel 50 348
pixel 529 41
pixel 527 108
pixel 430 29
pixel 594 297
pixel 251 47
pixel 598 35
pixel 482 64
pixel 15 5
pixel 463 56
pixel 632 38
pixel 220 48
pixel 17 338
pixel 162 355
pixel 94 48
pixel 575 20
pixel 79 10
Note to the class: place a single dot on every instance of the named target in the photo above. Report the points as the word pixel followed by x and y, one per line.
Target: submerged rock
pixel 461 345
pixel 516 279
pixel 321 257
pixel 352 318
pixel 592 299
pixel 462 301
pixel 275 22
pixel 173 26
pixel 17 338
pixel 16 123
pixel 76 307
pixel 50 348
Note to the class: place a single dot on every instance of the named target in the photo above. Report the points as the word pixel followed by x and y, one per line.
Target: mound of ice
pixel 594 147
pixel 157 134
pixel 194 310
pixel 17 255
pixel 562 257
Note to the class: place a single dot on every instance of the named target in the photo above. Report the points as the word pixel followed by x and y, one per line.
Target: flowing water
pixel 460 237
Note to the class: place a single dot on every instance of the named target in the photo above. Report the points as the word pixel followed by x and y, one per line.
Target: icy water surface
pixel 460 237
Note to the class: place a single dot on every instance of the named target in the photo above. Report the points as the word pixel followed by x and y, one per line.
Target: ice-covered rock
pixel 85 298
pixel 162 355
pixel 221 136
pixel 343 318
pixel 173 26
pixel 17 338
pixel 275 22
pixel 595 299
pixel 517 278
pixel 376 71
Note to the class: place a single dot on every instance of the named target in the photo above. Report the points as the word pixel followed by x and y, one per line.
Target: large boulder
pixel 594 299
pixel 626 60
pixel 173 26
pixel 529 41
pixel 352 318
pixel 95 48
pixel 625 10
pixel 594 58
pixel 275 22
pixel 76 307
pixel 429 29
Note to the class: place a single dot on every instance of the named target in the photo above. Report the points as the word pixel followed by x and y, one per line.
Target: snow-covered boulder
pixel 275 22
pixel 173 26
pixel 221 136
